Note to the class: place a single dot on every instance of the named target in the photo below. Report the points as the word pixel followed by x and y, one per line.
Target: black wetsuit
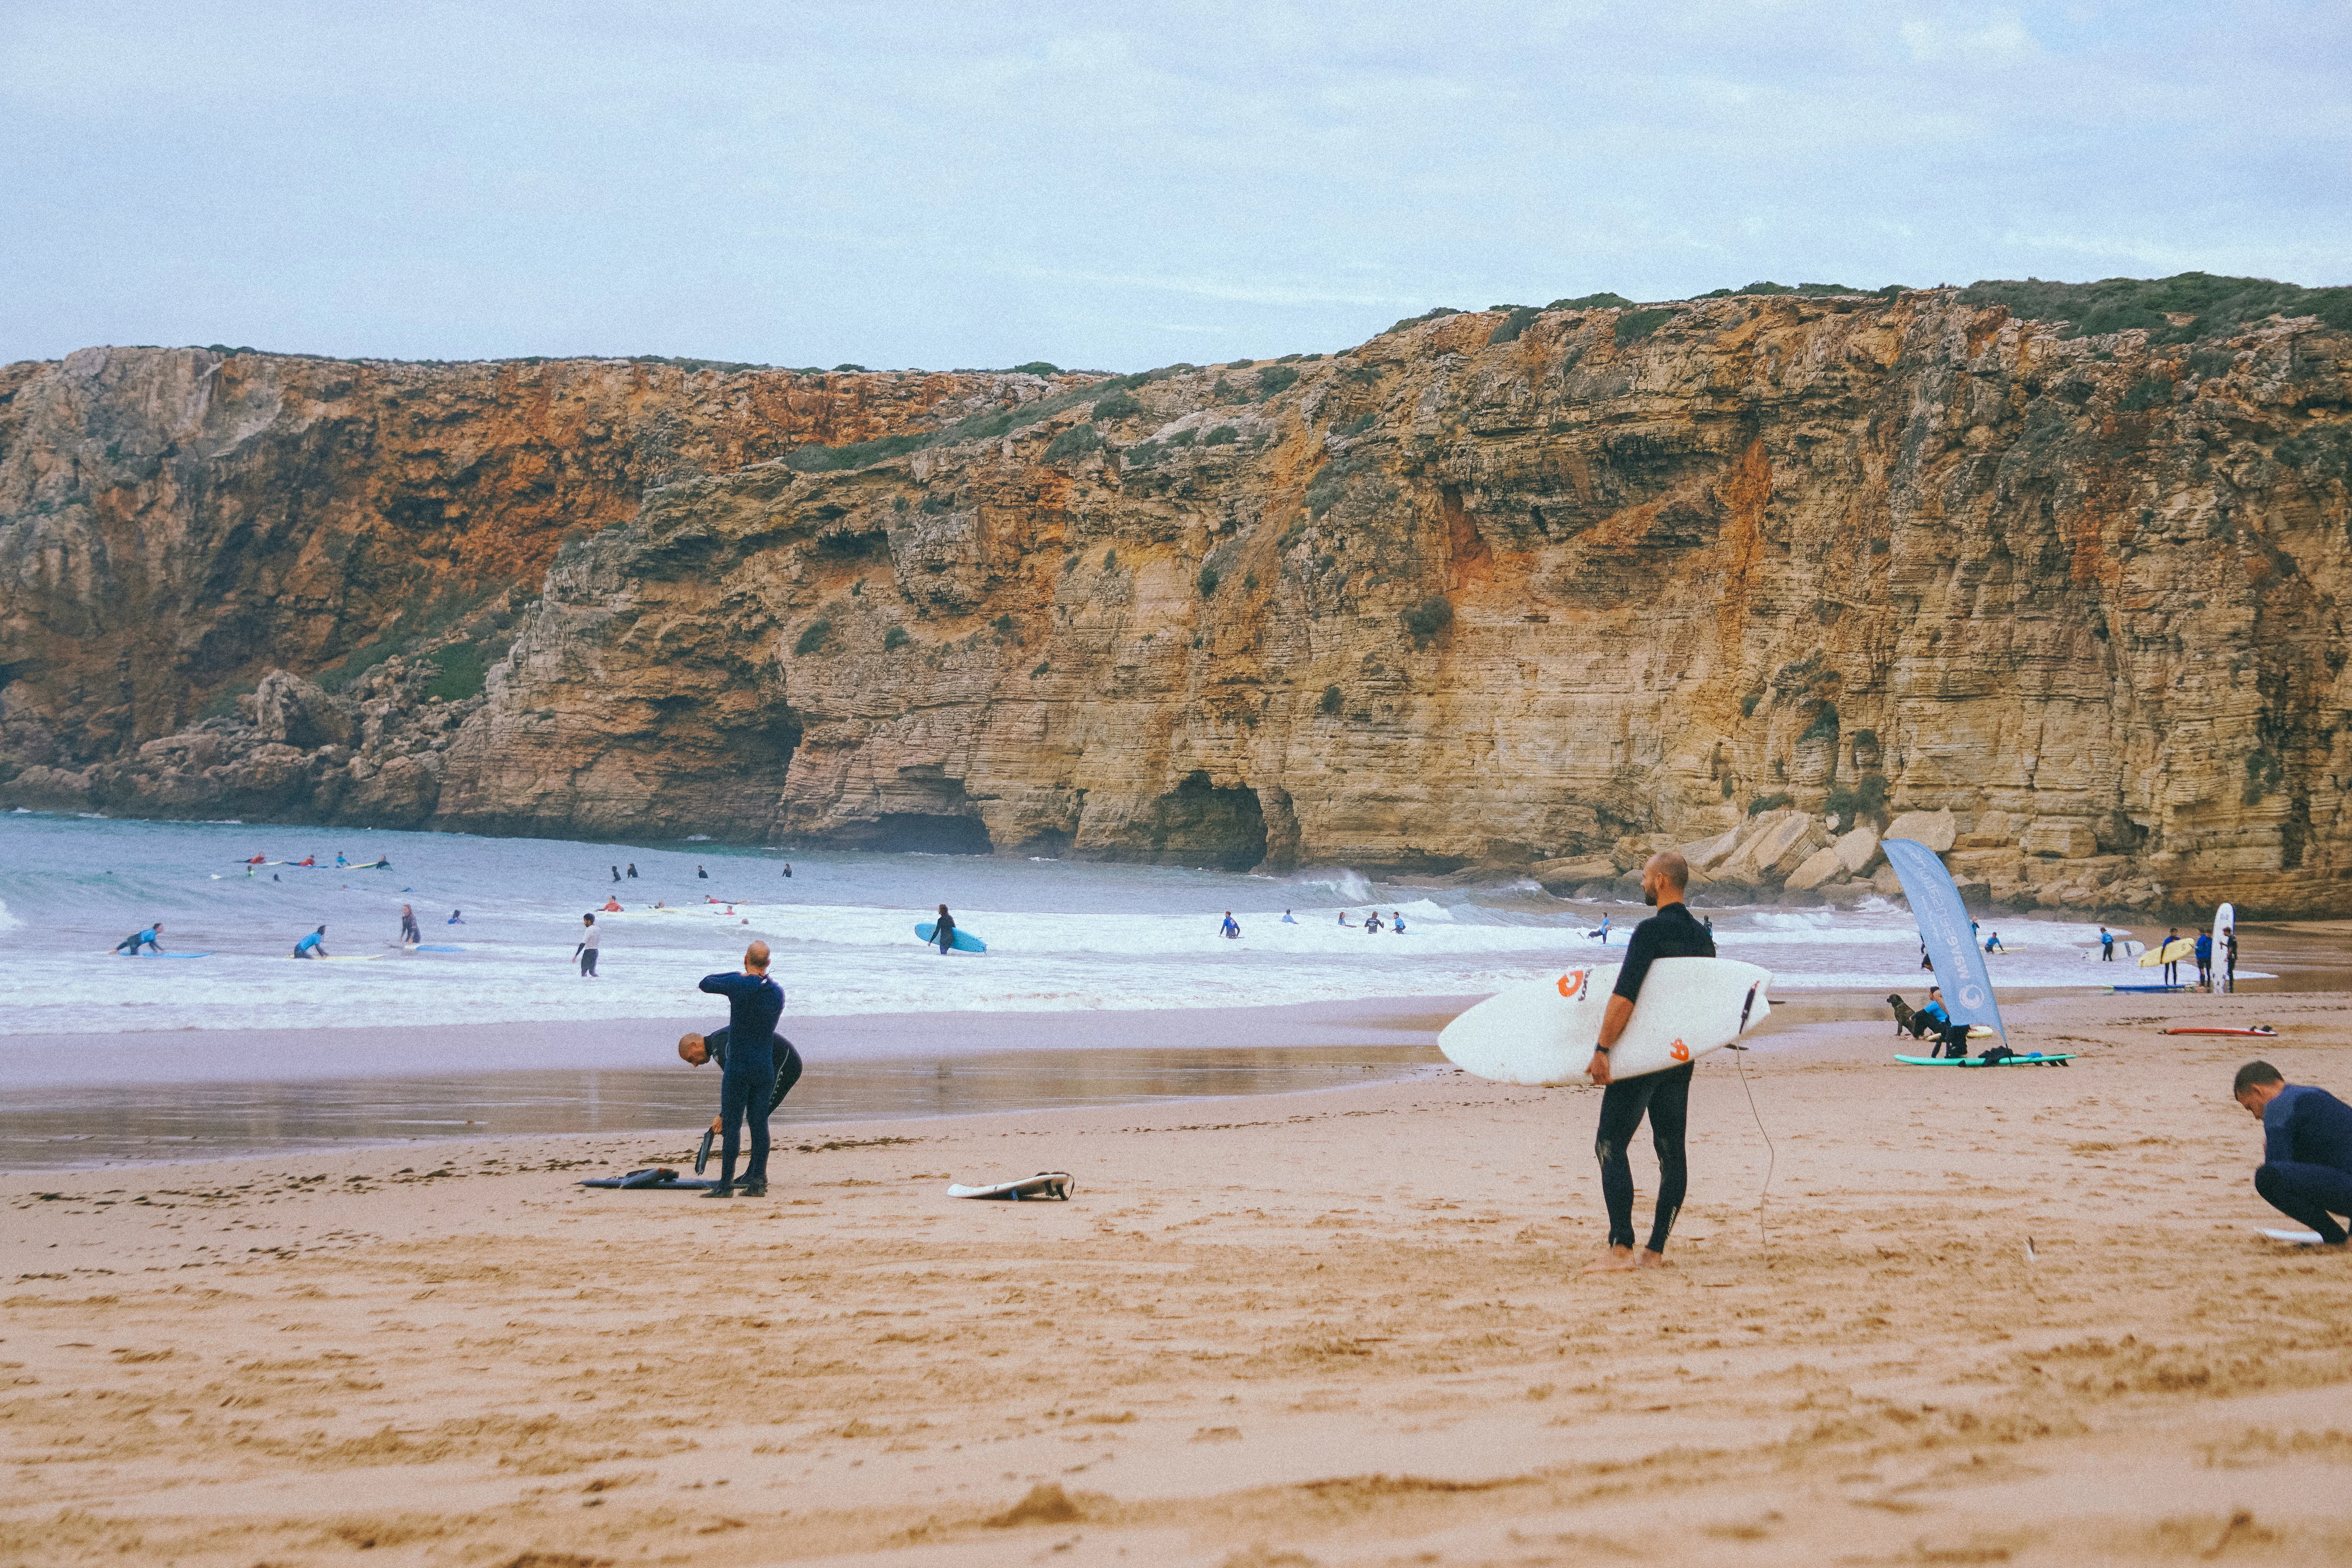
pixel 1663 1097
pixel 747 1084
pixel 943 933
pixel 2306 1169
pixel 780 1051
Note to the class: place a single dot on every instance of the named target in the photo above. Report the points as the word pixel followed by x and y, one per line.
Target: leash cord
pixel 1771 1153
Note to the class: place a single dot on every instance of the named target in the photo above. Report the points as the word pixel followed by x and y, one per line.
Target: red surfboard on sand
pixel 2265 1033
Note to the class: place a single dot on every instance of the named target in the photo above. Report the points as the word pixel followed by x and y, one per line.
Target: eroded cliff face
pixel 173 523
pixel 1465 598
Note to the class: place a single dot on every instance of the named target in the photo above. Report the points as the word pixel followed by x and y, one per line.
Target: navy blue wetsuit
pixel 780 1051
pixel 747 1083
pixel 1663 1097
pixel 2306 1171
pixel 132 944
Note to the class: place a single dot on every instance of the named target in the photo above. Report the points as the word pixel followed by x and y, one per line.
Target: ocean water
pixel 1061 934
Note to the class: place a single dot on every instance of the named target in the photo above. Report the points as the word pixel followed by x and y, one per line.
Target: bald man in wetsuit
pixel 747 1083
pixel 1663 1096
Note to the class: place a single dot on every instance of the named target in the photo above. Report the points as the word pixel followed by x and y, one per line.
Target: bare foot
pixel 1652 1260
pixel 1616 1260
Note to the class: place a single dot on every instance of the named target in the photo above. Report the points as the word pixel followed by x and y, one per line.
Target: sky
pixel 1114 187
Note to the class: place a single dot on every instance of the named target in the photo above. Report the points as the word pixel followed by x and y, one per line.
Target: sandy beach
pixel 1336 1328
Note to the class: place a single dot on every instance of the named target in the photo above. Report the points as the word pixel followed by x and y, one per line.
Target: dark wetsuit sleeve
pixel 715 1043
pixel 788 1069
pixel 1640 952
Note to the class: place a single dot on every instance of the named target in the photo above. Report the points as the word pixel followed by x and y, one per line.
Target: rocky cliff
pixel 1492 590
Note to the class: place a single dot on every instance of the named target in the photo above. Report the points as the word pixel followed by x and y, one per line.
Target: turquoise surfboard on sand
pixel 1979 1061
pixel 962 942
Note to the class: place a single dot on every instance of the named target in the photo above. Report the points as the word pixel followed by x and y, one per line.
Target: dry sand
pixel 1344 1328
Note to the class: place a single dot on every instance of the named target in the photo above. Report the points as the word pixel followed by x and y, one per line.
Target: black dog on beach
pixel 1903 1014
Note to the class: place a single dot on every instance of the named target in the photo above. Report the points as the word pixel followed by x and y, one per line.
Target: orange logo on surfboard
pixel 1571 983
pixel 1679 1051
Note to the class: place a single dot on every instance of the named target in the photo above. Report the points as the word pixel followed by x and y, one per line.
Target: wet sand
pixel 1341 1328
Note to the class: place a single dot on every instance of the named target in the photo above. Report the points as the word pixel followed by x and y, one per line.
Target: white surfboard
pixel 2295 1238
pixel 2225 921
pixel 1544 1034
pixel 1043 1185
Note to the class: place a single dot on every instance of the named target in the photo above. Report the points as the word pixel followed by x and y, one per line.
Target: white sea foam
pixel 1061 934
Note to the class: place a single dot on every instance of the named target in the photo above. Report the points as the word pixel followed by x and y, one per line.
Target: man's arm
pixel 726 984
pixel 1613 1024
pixel 2278 1124
pixel 1639 954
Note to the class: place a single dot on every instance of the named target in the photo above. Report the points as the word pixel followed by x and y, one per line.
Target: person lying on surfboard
pixel 1663 1096
pixel 2307 1169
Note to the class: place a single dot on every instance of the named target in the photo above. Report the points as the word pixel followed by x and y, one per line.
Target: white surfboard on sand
pixel 2225 923
pixel 1043 1185
pixel 2295 1238
pixel 1544 1034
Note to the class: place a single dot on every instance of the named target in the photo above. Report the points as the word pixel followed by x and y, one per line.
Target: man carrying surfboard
pixel 2307 1169
pixel 1663 1096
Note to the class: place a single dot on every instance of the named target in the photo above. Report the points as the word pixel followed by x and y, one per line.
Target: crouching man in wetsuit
pixel 696 1049
pixel 747 1083
pixel 2307 1169
pixel 1663 1097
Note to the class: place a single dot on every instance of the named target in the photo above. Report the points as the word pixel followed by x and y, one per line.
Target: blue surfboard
pixel 962 942
pixel 165 955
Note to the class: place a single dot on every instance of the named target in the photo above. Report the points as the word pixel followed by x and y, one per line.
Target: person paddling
pixel 747 1083
pixel 2307 1169
pixel 132 943
pixel 1663 1096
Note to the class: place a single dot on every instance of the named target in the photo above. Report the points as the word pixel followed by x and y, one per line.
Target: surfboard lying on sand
pixel 962 942
pixel 1043 1185
pixel 654 1178
pixel 1544 1034
pixel 2263 1032
pixel 2034 1061
pixel 2113 989
pixel 2298 1238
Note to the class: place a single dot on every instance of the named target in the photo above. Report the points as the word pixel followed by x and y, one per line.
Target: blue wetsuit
pixel 132 944
pixel 308 947
pixel 2306 1169
pixel 747 1085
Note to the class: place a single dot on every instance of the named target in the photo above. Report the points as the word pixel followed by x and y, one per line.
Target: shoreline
pixel 1347 1328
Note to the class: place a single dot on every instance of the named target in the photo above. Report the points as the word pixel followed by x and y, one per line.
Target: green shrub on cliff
pixel 1764 803
pixel 1592 302
pixel 1074 442
pixel 2122 304
pixel 1275 380
pixel 1223 436
pixel 1208 581
pixel 1331 700
pixel 1635 325
pixel 1430 315
pixel 1118 406
pixel 1037 367
pixel 813 638
pixel 1428 618
pixel 1509 329
pixel 2145 393
pixel 895 638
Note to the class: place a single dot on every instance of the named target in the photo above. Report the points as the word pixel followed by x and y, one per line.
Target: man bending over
pixel 747 1084
pixel 132 944
pixel 696 1049
pixel 2307 1169
pixel 1663 1097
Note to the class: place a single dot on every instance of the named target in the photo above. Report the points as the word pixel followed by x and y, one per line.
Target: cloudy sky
pixel 1114 185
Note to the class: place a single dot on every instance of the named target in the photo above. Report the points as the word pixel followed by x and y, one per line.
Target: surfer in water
pixel 632 870
pixel 1599 933
pixel 1372 920
pixel 312 946
pixel 2307 1169
pixel 701 873
pixel 1992 943
pixel 137 940
pixel 943 933
pixel 1663 1096
pixel 409 935
pixel 1396 921
pixel 1287 918
pixel 2106 945
pixel 748 1082
pixel 1230 928
pixel 589 940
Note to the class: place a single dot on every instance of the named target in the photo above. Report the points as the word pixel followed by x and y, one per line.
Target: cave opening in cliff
pixel 1199 824
pixel 920 833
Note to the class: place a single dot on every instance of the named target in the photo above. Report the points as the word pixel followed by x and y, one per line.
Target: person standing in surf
pixel 2106 945
pixel 313 945
pixel 591 940
pixel 1663 1096
pixel 944 932
pixel 409 935
pixel 747 1084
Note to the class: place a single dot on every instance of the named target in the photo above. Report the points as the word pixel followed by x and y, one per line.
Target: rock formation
pixel 1489 591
